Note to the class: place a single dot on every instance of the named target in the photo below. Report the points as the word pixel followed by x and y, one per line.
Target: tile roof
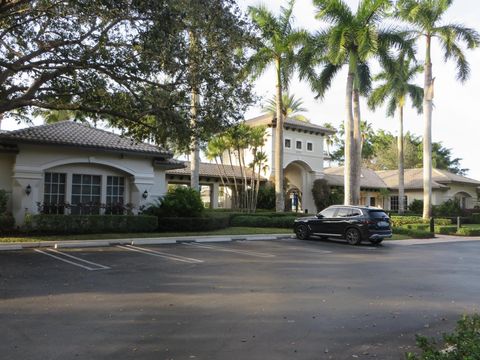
pixel 369 179
pixel 414 178
pixel 389 178
pixel 69 133
pixel 211 170
pixel 270 120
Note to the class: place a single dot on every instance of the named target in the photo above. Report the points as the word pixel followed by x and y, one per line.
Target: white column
pixel 22 203
pixel 214 193
pixel 138 187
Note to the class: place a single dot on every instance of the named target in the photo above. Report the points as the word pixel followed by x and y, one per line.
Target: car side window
pixel 356 212
pixel 328 213
pixel 344 212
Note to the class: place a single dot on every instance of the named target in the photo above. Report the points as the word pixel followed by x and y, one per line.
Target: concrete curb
pixel 139 241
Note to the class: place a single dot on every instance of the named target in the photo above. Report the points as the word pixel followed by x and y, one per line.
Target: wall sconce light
pixel 28 189
pixel 145 194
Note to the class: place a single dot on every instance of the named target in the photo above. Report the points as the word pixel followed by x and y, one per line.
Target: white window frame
pixel 306 147
pixel 285 143
pixel 81 195
pixel 301 145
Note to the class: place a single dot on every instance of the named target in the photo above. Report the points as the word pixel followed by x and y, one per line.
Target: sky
pixel 455 122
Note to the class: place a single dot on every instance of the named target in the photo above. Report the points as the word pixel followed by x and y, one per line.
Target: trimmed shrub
pixel 324 195
pixel 91 224
pixel 463 343
pixel 416 234
pixel 423 227
pixel 7 222
pixel 446 229
pixel 468 232
pixel 194 223
pixel 179 202
pixel 448 208
pixel 407 220
pixel 266 197
pixel 416 206
pixel 263 221
pixel 475 218
pixel 3 201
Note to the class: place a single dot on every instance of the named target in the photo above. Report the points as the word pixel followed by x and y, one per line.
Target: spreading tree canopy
pixel 127 62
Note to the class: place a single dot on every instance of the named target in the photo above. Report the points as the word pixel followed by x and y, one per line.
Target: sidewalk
pixel 440 239
pixel 140 241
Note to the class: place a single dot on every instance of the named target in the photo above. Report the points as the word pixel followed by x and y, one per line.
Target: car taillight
pixel 368 222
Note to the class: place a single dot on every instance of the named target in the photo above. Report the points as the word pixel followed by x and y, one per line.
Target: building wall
pixel 314 158
pixel 33 160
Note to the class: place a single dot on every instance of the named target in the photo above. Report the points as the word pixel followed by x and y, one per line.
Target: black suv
pixel 353 223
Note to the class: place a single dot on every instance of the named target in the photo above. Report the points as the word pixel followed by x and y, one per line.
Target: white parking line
pixel 58 257
pixel 160 254
pixel 243 252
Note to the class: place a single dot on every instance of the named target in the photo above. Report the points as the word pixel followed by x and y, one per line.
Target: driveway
pixel 283 299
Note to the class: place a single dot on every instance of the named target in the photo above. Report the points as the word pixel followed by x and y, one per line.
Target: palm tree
pixel 394 90
pixel 278 43
pixel 291 107
pixel 426 18
pixel 352 39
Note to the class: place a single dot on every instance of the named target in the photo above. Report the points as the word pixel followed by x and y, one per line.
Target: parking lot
pixel 283 299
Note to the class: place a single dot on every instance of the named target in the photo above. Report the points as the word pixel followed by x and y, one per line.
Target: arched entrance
pixel 297 185
pixel 464 199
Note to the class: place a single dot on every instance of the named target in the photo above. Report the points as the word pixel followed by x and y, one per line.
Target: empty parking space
pixel 162 254
pixel 72 260
pixel 284 299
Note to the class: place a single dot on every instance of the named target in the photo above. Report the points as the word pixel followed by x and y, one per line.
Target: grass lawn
pixel 400 237
pixel 228 231
pixel 472 226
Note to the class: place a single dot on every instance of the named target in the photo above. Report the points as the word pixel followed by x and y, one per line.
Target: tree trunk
pixel 236 195
pixel 357 146
pixel 401 163
pixel 195 155
pixel 427 133
pixel 349 155
pixel 195 99
pixel 279 196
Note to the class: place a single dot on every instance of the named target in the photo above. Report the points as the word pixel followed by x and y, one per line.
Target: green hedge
pixel 263 221
pixel 194 224
pixel 407 220
pixel 92 224
pixel 422 227
pixel 475 218
pixel 7 222
pixel 416 234
pixel 446 229
pixel 468 232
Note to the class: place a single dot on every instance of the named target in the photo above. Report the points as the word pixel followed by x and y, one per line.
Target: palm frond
pixel 321 84
pixel 333 11
pixel 416 96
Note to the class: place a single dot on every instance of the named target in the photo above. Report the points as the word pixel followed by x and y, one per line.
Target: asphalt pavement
pixel 277 299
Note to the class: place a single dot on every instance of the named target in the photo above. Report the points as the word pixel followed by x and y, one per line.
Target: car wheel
pixel 376 241
pixel 353 236
pixel 302 232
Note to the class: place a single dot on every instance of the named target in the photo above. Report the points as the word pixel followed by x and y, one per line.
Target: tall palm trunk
pixel 357 146
pixel 349 148
pixel 195 99
pixel 279 198
pixel 195 154
pixel 401 163
pixel 427 133
pixel 236 194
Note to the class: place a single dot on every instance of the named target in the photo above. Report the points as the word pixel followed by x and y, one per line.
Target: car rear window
pixel 378 214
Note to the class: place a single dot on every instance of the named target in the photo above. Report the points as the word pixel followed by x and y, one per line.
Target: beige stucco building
pixel 72 168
